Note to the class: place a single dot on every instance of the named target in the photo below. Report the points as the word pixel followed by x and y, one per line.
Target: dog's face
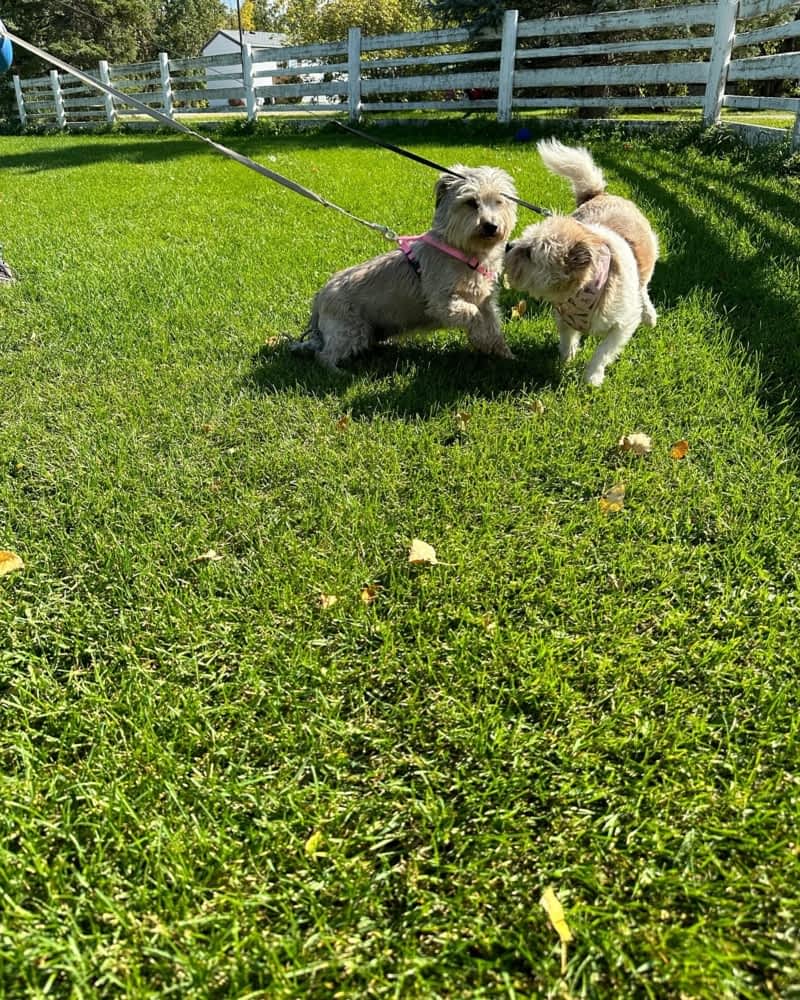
pixel 552 259
pixel 472 213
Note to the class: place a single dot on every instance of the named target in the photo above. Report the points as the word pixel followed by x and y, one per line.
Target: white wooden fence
pixel 704 55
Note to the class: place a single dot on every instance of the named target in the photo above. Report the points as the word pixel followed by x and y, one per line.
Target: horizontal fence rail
pixel 742 54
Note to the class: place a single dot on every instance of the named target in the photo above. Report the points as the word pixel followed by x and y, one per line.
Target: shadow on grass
pixel 162 144
pixel 761 311
pixel 407 379
pixel 102 148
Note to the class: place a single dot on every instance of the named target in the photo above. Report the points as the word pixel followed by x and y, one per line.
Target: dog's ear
pixel 579 257
pixel 444 184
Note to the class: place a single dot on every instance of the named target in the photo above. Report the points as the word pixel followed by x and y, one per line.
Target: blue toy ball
pixel 6 53
pixel 523 134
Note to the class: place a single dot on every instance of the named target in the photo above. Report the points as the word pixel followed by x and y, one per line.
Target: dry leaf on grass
pixel 313 844
pixel 369 593
pixel 679 450
pixel 613 499
pixel 421 553
pixel 462 419
pixel 327 601
pixel 638 443
pixel 535 406
pixel 342 422
pixel 555 911
pixel 489 624
pixel 211 556
pixel 519 309
pixel 9 562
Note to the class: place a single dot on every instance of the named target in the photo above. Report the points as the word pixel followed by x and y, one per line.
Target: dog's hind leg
pixel 342 339
pixel 607 350
pixel 649 314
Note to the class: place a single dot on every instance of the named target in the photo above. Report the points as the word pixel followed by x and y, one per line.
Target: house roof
pixel 267 39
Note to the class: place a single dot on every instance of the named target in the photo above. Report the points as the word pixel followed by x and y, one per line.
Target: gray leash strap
pixel 177 126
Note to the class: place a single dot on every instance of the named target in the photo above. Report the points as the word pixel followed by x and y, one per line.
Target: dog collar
pixel 577 311
pixel 406 242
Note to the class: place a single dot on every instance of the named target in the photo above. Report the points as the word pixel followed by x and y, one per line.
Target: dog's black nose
pixel 488 228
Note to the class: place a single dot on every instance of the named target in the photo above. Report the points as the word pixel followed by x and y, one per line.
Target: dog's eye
pixel 472 202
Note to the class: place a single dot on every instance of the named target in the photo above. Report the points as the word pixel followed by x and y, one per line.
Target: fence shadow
pixel 153 149
pixel 762 314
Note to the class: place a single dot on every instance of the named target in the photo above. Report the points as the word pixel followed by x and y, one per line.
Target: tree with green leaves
pixel 315 21
pixel 479 14
pixel 83 32
pixel 184 26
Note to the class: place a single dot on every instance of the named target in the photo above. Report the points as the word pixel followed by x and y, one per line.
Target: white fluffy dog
pixel 594 266
pixel 443 278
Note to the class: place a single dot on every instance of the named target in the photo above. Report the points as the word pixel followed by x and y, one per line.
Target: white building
pixel 226 41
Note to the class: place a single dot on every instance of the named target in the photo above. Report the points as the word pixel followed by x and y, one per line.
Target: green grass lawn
pixel 214 787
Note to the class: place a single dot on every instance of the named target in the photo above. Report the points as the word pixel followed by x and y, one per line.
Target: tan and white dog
pixel 594 266
pixel 443 278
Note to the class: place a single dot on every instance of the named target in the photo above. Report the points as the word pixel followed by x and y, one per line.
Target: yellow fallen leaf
pixel 313 844
pixel 462 419
pixel 555 912
pixel 613 499
pixel 369 593
pixel 519 309
pixel 342 422
pixel 679 450
pixel 9 562
pixel 638 443
pixel 327 601
pixel 420 552
pixel 535 406
pixel 489 624
pixel 211 556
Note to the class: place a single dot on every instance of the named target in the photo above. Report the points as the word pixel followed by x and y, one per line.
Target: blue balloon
pixel 6 53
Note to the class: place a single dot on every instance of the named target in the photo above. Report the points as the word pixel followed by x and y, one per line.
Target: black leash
pixel 428 163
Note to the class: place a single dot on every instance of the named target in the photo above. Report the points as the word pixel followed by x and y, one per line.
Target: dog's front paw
pixel 504 351
pixel 568 346
pixel 596 377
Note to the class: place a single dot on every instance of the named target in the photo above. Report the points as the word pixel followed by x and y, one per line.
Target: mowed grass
pixel 214 787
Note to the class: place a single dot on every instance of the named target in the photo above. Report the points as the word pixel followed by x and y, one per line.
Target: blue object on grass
pixel 523 134
pixel 6 52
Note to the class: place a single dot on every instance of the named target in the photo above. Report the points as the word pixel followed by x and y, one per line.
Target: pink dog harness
pixel 577 311
pixel 406 243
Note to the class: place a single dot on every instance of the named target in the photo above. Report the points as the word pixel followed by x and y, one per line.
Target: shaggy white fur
pixel 594 266
pixel 390 295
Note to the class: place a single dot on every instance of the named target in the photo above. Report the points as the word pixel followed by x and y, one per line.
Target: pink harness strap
pixel 406 242
pixel 578 308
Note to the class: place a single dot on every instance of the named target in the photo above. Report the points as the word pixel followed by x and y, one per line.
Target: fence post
pixel 249 83
pixel 166 85
pixel 796 133
pixel 721 50
pixel 23 118
pixel 108 100
pixel 354 74
pixel 508 52
pixel 58 99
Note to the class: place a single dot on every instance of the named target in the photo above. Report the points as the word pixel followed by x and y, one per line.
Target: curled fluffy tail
pixel 576 164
